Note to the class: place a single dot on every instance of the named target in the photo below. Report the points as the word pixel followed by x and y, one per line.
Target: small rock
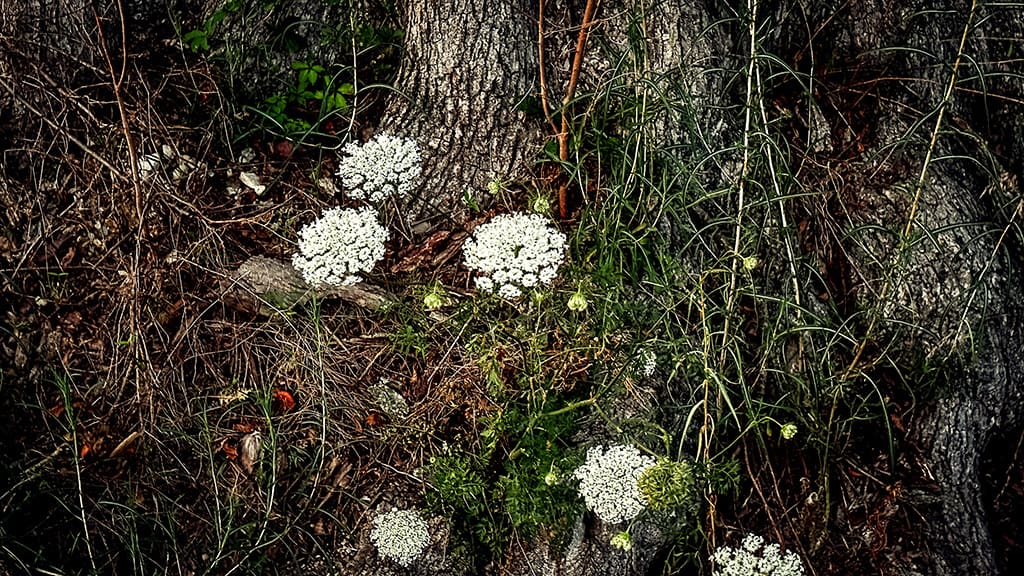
pixel 246 156
pixel 251 180
pixel 148 164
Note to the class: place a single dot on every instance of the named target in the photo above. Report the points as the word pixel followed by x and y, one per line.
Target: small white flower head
pixel 385 166
pixel 645 363
pixel 515 252
pixel 608 482
pixel 623 541
pixel 388 399
pixel 400 535
pixel 755 558
pixel 788 430
pixel 335 249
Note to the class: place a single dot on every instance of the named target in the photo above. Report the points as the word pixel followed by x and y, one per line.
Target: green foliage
pixel 314 94
pixel 517 484
pixel 412 333
pixel 198 40
pixel 330 63
pixel 533 483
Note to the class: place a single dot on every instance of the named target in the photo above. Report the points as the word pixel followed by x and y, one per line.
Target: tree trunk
pixel 469 66
pixel 931 234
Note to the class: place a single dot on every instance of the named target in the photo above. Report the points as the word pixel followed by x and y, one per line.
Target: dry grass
pixel 146 417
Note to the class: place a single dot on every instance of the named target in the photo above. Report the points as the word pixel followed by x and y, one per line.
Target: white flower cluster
pixel 755 558
pixel 389 400
pixel 514 252
pixel 338 246
pixel 400 535
pixel 646 363
pixel 608 482
pixel 385 166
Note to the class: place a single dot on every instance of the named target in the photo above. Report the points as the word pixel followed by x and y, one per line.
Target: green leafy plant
pixel 518 483
pixel 313 97
pixel 198 40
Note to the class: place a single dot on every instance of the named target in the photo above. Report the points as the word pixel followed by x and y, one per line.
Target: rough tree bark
pixel 468 66
pixel 927 174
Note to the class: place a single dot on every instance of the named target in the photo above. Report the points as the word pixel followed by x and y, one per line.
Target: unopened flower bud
pixel 578 302
pixel 788 430
pixel 433 301
pixel 623 541
pixel 541 205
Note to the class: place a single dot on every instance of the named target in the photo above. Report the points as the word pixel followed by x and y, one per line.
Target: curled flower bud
pixel 578 302
pixel 433 301
pixel 541 204
pixel 623 541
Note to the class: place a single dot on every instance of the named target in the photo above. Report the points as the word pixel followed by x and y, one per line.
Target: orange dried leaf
pixel 284 400
pixel 229 450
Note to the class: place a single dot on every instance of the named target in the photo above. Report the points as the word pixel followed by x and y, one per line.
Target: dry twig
pixel 562 135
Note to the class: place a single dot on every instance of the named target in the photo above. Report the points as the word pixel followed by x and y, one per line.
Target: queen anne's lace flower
pixel 515 252
pixel 646 362
pixel 385 166
pixel 608 482
pixel 337 247
pixel 400 535
pixel 755 558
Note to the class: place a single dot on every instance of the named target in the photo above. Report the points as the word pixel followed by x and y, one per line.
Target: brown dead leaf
pixel 65 262
pixel 229 450
pixel 71 320
pixel 244 427
pixel 897 421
